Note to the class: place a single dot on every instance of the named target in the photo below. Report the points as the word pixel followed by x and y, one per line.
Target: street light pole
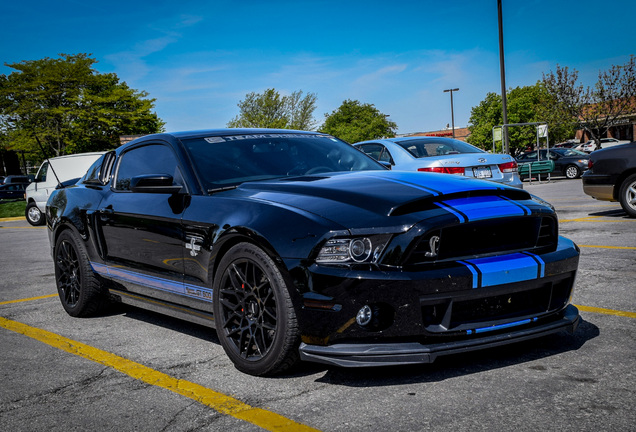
pixel 452 111
pixel 502 70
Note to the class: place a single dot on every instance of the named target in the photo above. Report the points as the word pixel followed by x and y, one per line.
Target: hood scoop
pixel 472 197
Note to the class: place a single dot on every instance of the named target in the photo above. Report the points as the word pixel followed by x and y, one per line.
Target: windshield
pixel 437 147
pixel 222 161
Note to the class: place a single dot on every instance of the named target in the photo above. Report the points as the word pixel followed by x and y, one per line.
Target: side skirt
pixel 162 307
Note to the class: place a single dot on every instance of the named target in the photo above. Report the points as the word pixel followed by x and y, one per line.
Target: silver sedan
pixel 442 155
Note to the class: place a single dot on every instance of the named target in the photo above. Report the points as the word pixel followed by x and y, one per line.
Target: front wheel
pixel 627 195
pixel 80 291
pixel 254 316
pixel 572 172
pixel 33 214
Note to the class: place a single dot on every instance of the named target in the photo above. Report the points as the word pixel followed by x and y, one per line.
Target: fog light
pixel 364 315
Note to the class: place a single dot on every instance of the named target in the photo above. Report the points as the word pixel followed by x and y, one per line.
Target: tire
pixel 255 319
pixel 81 293
pixel 572 172
pixel 627 195
pixel 33 214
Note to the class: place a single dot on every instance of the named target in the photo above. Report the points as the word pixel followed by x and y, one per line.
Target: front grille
pixel 443 316
pixel 534 234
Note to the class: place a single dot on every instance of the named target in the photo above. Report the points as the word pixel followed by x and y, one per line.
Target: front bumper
pixel 389 354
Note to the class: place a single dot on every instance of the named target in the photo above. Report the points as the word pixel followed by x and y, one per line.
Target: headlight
pixel 353 250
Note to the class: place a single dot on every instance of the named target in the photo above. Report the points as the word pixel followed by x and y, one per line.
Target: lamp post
pixel 452 112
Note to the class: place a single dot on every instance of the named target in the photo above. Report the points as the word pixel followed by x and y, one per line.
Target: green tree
pixel 529 104
pixel 594 109
pixel 354 121
pixel 69 107
pixel 271 110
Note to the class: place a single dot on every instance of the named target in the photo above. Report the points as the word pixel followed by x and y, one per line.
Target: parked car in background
pixel 62 170
pixel 568 162
pixel 443 155
pixel 12 191
pixel 612 176
pixel 16 179
pixel 590 146
pixel 294 245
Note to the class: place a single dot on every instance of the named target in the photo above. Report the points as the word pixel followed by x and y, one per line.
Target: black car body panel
pixel 453 264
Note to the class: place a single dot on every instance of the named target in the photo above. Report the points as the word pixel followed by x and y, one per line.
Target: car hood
pixel 380 199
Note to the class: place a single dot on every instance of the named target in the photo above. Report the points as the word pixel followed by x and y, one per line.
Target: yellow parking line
pixel 1 227
pixel 218 401
pixel 597 219
pixel 607 311
pixel 608 247
pixel 28 299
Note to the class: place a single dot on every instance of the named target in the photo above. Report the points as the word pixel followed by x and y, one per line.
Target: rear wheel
pixel 627 195
pixel 33 214
pixel 572 172
pixel 254 316
pixel 79 289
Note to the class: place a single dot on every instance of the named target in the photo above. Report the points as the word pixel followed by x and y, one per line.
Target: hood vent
pixel 430 202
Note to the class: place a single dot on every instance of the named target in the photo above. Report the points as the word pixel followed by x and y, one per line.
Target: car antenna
pixel 59 184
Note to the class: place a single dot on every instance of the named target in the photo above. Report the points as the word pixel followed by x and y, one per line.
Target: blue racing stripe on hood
pixel 484 207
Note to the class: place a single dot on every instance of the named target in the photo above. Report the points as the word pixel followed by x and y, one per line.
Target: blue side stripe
pixel 516 267
pixel 486 207
pixel 161 284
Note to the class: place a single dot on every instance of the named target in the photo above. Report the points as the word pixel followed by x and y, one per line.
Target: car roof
pixel 411 138
pixel 229 131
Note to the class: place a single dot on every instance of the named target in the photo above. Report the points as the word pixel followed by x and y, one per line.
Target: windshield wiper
pixel 221 189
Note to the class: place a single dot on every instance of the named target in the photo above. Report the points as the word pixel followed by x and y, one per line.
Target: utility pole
pixel 452 112
pixel 502 67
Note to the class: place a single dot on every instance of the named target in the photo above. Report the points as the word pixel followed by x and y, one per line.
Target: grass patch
pixel 12 209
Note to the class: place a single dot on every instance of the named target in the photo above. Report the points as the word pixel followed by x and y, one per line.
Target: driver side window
pixel 149 159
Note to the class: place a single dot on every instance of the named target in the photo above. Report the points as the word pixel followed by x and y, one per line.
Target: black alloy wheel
pixel 79 289
pixel 254 316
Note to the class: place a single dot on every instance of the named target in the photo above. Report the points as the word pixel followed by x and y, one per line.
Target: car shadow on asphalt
pixel 617 213
pixel 456 365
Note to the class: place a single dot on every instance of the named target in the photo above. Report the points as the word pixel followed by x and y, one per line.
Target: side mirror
pixel 154 183
pixel 386 165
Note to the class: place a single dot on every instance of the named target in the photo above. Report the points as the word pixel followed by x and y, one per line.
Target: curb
pixel 12 219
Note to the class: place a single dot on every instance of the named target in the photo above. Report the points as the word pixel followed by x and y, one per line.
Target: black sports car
pixel 297 245
pixel 612 176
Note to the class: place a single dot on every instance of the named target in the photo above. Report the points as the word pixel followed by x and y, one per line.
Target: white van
pixel 52 172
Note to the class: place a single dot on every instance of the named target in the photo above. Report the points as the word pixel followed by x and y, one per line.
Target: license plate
pixel 482 172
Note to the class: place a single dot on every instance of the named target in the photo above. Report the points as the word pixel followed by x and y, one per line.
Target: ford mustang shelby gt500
pixel 295 245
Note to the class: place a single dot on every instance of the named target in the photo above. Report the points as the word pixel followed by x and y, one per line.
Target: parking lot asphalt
pixel 134 370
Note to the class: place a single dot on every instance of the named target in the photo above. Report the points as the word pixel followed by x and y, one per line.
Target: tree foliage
pixel 529 104
pixel 594 109
pixel 69 107
pixel 271 110
pixel 354 121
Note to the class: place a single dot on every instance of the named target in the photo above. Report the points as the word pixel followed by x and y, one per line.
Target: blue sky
pixel 198 59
